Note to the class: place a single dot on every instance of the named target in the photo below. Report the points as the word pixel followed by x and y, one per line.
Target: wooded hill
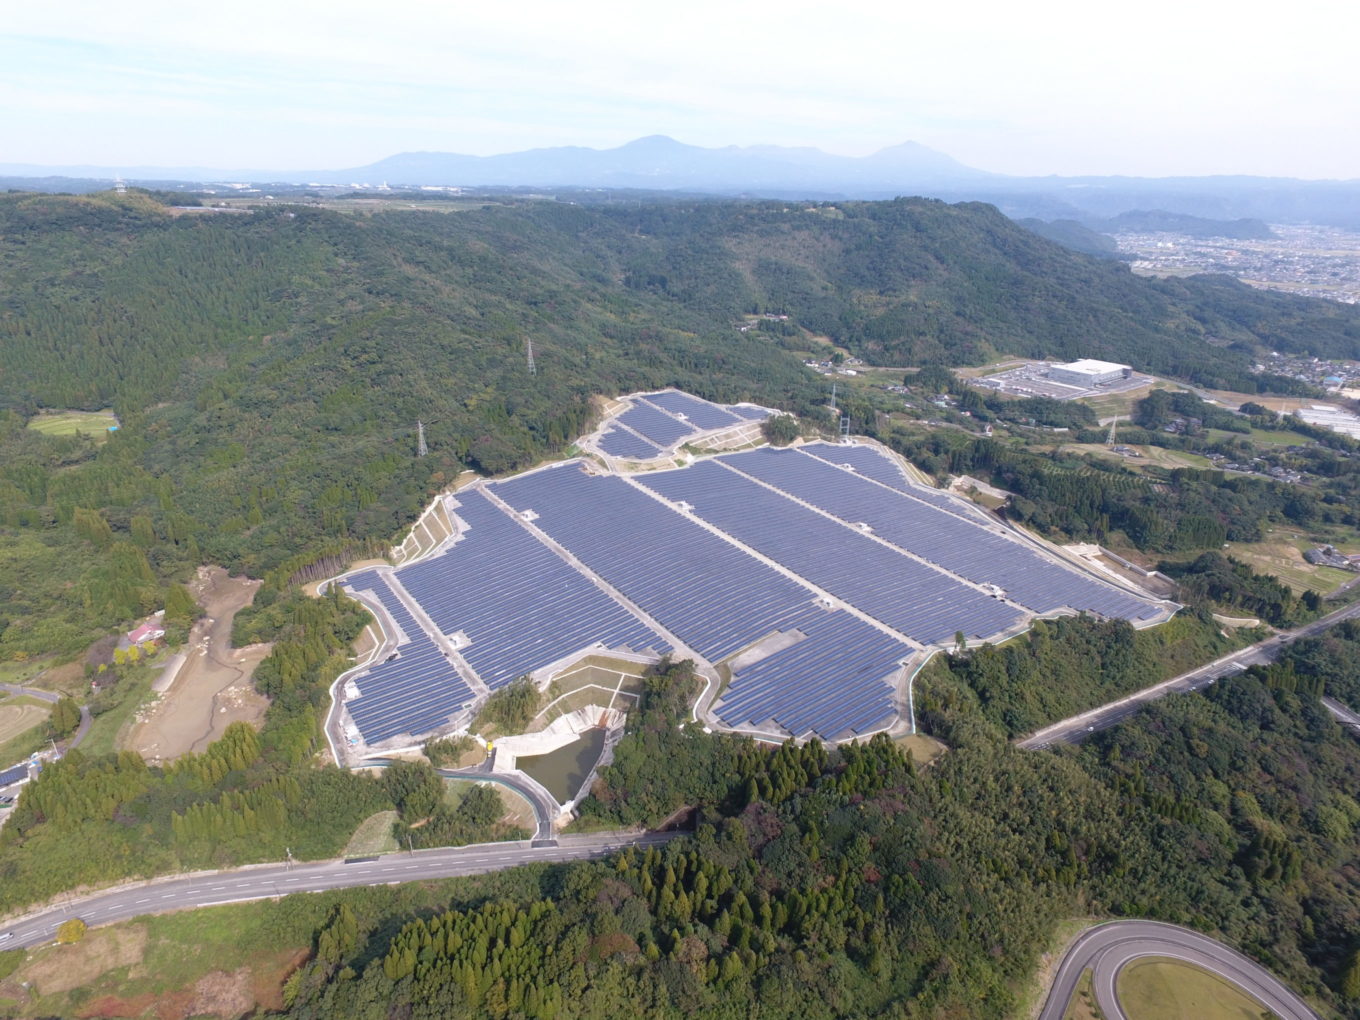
pixel 269 367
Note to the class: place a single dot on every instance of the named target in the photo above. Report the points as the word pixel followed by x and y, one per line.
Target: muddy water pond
pixel 563 771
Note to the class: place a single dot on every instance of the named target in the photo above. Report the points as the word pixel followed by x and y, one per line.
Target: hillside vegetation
pixel 268 368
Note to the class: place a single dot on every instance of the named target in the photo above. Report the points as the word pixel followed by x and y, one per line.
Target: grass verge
pixel 1161 989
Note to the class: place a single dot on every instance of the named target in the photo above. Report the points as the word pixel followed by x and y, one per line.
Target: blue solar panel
pixel 13 775
pixel 982 554
pixel 619 442
pixel 414 693
pixel 749 413
pixel 656 425
pixel 916 600
pixel 711 595
pixel 699 412
pixel 835 683
pixel 679 545
pixel 520 605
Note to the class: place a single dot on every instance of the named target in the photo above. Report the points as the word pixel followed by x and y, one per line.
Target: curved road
pixel 52 697
pixel 258 882
pixel 1107 948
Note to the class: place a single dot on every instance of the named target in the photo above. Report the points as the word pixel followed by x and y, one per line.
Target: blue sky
pixel 1049 87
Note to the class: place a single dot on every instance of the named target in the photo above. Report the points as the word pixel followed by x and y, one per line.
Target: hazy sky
pixel 1050 87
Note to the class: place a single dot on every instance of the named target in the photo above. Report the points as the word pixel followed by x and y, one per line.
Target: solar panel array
pixel 710 594
pixel 914 599
pixel 750 413
pixel 870 463
pixel 414 693
pixel 958 544
pixel 520 605
pixel 656 424
pixel 13 775
pixel 836 682
pixel 619 442
pixel 864 459
pixel 702 413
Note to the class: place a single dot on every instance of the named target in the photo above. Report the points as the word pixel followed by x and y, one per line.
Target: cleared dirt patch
pixel 55 969
pixel 924 750
pixel 213 687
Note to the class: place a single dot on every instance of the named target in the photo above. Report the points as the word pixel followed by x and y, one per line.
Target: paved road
pixel 1107 948
pixel 265 881
pixel 546 809
pixel 1078 727
pixel 1342 714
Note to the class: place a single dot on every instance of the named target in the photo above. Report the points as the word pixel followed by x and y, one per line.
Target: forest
pixel 851 882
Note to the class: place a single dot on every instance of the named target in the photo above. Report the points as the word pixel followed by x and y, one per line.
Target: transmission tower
pixel 1109 440
pixel 119 185
pixel 421 448
pixel 845 428
pixel 529 346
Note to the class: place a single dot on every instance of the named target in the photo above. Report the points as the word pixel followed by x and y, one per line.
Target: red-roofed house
pixel 146 633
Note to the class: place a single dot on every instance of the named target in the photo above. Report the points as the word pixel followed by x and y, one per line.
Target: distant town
pixel 1315 261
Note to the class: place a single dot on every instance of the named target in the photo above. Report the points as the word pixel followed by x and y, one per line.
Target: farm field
pixel 95 424
pixel 19 713
pixel 1281 554
pixel 1152 456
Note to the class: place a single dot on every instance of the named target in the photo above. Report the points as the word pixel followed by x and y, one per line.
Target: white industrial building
pixel 1089 372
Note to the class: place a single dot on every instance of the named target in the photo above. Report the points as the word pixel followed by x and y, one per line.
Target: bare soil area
pixel 213 687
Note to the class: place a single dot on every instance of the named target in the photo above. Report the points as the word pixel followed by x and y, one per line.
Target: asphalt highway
pixel 1342 714
pixel 1108 948
pixel 1078 727
pixel 259 882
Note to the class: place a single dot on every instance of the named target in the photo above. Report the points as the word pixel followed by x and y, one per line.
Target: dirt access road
pixel 212 688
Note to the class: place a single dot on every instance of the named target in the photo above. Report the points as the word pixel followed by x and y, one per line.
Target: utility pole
pixel 421 448
pixel 529 346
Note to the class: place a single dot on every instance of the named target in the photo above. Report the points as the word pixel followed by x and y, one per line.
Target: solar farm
pixel 807 583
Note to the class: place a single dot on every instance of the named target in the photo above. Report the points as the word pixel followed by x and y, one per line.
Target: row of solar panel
pixel 833 683
pixel 916 600
pixel 718 600
pixel 619 442
pixel 870 463
pixel 970 550
pixel 698 586
pixel 520 605
pixel 656 421
pixel 13 775
pixel 417 691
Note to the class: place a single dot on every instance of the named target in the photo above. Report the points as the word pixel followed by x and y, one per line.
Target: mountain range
pixel 658 163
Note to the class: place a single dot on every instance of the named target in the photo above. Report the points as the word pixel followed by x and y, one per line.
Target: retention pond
pixel 562 772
